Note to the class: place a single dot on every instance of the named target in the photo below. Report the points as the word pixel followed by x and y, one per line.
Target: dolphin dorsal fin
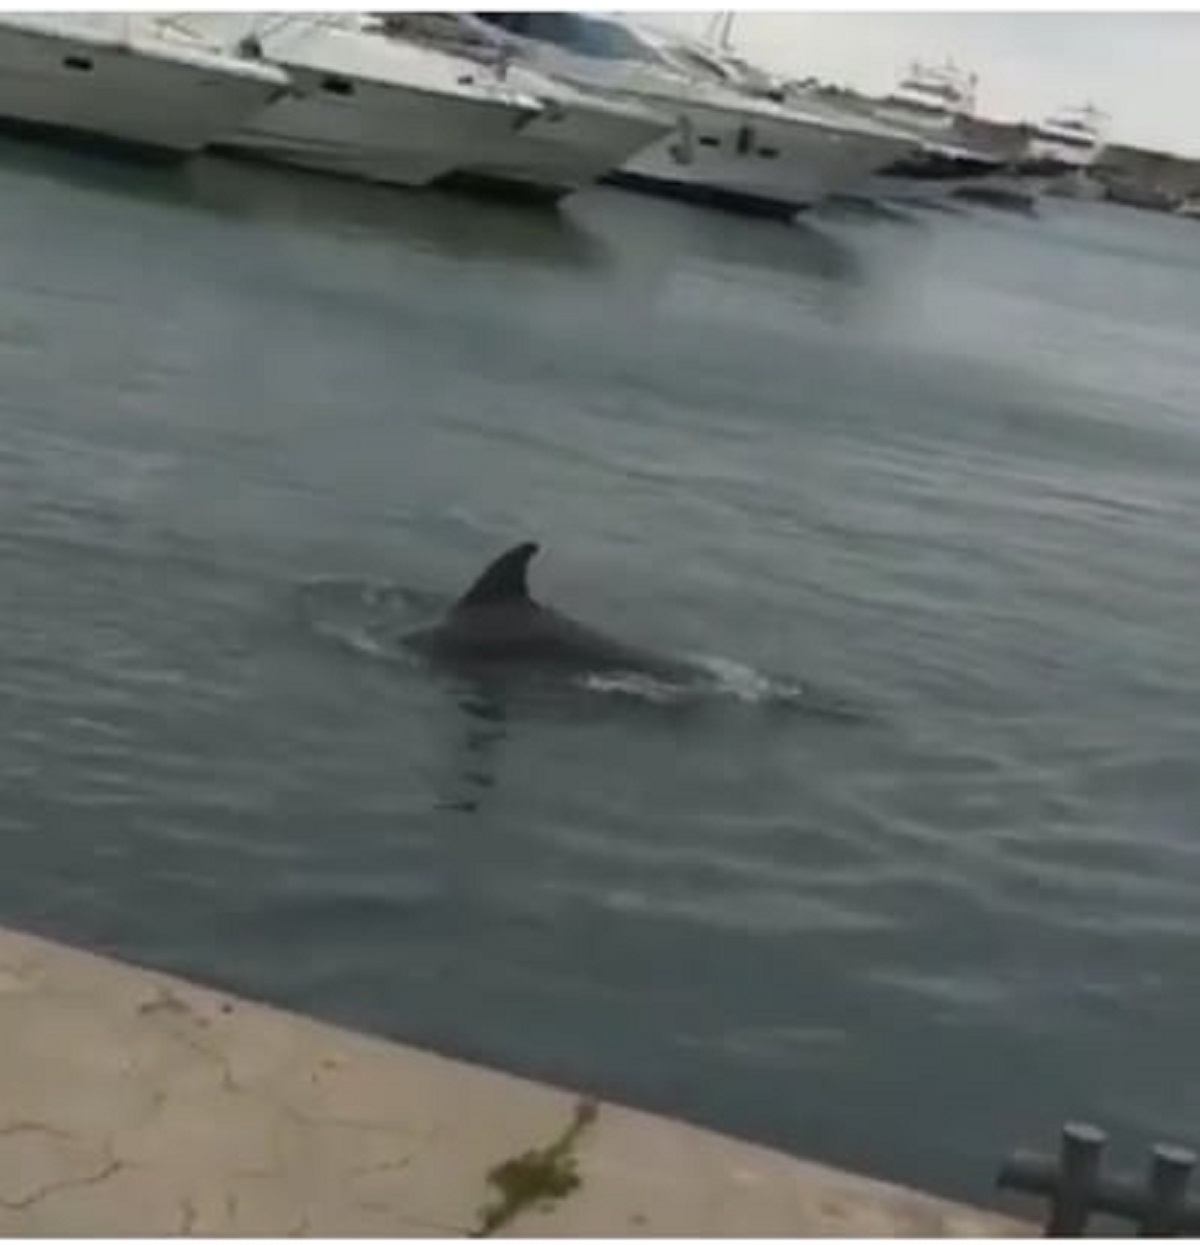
pixel 505 580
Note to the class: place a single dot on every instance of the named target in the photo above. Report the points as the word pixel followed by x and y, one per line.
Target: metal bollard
pixel 1170 1170
pixel 1081 1151
pixel 1076 1188
pixel 1069 1183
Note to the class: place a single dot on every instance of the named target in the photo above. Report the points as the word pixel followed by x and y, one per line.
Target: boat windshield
pixel 583 34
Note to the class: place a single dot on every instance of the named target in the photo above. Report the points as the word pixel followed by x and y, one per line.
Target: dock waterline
pixel 137 1104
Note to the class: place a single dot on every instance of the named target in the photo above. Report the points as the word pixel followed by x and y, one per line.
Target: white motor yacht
pixel 727 147
pixel 1062 150
pixel 931 97
pixel 365 105
pixel 932 100
pixel 578 137
pixel 1072 137
pixel 126 80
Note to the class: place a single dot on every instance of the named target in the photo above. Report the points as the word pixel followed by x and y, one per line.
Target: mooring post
pixel 1070 1182
pixel 1081 1150
pixel 1170 1170
pixel 1158 1204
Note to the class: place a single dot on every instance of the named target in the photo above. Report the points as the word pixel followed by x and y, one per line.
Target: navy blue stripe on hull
pixel 738 201
pixel 941 168
pixel 499 186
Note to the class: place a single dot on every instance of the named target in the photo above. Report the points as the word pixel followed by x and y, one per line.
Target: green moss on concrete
pixel 539 1177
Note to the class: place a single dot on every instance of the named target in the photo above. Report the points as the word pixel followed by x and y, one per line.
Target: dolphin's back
pixel 496 620
pixel 534 634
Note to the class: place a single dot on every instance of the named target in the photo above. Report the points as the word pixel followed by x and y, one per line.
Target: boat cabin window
pixel 575 32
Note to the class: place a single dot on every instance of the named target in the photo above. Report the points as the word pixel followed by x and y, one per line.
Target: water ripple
pixel 927 496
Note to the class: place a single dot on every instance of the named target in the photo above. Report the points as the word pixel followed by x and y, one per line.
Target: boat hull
pixel 374 131
pixel 762 164
pixel 89 87
pixel 569 146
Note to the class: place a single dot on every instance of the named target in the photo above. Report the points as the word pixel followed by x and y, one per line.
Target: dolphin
pixel 497 623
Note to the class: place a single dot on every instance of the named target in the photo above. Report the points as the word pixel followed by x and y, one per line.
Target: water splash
pixel 744 682
pixel 718 676
pixel 635 686
pixel 722 678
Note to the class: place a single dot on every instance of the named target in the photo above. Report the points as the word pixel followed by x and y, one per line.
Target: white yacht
pixel 127 80
pixel 726 147
pixel 931 97
pixel 1071 137
pixel 577 138
pixel 364 105
pixel 1062 150
pixel 933 100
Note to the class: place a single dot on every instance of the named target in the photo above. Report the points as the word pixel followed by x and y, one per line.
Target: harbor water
pixel 918 880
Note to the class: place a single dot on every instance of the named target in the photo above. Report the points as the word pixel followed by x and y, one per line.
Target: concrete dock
pixel 136 1104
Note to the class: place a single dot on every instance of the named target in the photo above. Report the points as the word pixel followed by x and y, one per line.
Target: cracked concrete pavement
pixel 135 1104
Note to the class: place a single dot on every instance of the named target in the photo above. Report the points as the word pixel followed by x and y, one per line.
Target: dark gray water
pixel 944 473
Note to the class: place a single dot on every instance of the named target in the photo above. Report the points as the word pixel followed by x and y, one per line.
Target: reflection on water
pixel 665 232
pixel 439 221
pixel 474 754
pixel 863 210
pixel 596 229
